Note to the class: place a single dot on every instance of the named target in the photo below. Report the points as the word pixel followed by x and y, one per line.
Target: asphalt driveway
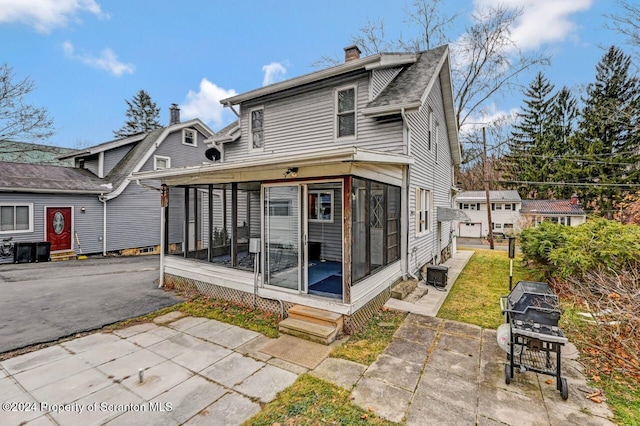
pixel 46 301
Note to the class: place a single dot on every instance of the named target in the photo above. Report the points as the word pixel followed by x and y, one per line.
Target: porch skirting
pixel 190 286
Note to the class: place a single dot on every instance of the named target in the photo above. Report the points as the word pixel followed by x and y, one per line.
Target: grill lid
pixel 534 301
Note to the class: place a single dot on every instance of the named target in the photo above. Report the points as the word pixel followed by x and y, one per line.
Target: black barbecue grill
pixel 532 312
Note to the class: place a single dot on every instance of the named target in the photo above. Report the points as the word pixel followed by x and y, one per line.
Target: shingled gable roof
pixel 80 180
pixel 551 207
pixel 23 177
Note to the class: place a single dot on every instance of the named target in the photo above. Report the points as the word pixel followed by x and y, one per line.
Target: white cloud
pixel 273 73
pixel 542 21
pixel 107 60
pixel 490 116
pixel 206 105
pixel 45 15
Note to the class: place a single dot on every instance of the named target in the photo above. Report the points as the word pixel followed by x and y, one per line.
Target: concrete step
pixel 309 330
pixel 317 316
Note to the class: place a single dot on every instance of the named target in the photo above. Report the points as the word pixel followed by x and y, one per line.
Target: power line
pixel 619 185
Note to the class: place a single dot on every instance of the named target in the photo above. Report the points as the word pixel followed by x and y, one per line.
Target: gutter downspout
pixel 104 223
pixel 407 178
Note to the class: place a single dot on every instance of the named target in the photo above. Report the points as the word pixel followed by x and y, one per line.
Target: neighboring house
pixel 564 212
pixel 93 207
pixel 505 213
pixel 341 178
pixel 24 152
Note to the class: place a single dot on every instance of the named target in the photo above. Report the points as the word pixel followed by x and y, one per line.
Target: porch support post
pixel 210 223
pixel 234 224
pixel 185 249
pixel 196 219
pixel 346 245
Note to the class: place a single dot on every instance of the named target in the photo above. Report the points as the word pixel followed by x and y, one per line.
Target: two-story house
pixel 505 213
pixel 326 190
pixel 92 207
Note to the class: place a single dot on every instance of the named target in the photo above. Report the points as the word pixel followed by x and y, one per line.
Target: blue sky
pixel 87 56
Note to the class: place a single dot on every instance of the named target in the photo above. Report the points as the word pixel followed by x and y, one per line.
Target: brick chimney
pixel 351 53
pixel 174 114
pixel 574 199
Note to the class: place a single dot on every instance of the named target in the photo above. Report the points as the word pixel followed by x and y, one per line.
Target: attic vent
pixel 351 53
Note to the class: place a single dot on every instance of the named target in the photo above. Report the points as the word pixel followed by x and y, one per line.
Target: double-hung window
pixel 16 218
pixel 161 162
pixel 256 124
pixel 423 211
pixel 346 112
pixel 189 137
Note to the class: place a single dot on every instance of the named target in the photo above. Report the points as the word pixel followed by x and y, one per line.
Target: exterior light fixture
pixel 291 172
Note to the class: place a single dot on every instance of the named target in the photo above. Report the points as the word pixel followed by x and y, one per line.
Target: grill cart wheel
pixel 508 373
pixel 564 388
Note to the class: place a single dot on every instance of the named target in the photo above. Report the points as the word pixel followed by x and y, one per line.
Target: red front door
pixel 59 228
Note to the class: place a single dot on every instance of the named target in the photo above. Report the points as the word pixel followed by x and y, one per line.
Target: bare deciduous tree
pixel 18 118
pixel 627 22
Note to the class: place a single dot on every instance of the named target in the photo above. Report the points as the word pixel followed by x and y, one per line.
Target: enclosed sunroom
pixel 322 229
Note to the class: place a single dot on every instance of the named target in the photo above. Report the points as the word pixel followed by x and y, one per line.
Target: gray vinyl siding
pixel 303 122
pixel 88 225
pixel 114 156
pixel 381 78
pixel 133 218
pixel 92 164
pixel 427 174
pixel 181 155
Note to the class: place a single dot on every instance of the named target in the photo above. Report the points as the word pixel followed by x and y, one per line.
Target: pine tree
pixel 560 149
pixel 608 131
pixel 142 116
pixel 527 146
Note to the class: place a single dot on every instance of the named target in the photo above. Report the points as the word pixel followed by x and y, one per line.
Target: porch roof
pixel 220 172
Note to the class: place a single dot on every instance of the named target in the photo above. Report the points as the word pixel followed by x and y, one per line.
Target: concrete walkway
pixel 194 371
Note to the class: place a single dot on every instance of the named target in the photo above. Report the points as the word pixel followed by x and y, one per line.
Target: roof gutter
pixel 381 111
pixel 54 191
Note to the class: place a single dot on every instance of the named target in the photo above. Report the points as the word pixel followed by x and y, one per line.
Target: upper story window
pixel 435 139
pixel 346 112
pixel 256 124
pixel 470 206
pixel 16 217
pixel 430 130
pixel 189 137
pixel 160 162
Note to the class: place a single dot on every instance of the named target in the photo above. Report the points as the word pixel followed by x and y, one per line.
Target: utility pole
pixel 485 165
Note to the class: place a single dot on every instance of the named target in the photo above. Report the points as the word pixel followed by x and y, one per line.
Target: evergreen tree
pixel 608 131
pixel 525 160
pixel 142 116
pixel 561 150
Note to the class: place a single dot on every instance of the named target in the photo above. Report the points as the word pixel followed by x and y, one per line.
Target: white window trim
pixel 251 147
pixel 317 192
pixel 161 157
pixel 435 140
pixel 184 137
pixel 336 126
pixel 422 196
pixel 430 130
pixel 21 231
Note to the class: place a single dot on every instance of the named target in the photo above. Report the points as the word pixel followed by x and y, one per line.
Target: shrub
pixel 537 243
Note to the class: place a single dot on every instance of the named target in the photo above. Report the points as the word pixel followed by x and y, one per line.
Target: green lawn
pixel 474 298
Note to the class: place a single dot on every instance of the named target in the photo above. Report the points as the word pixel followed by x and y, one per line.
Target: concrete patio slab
pixel 134 329
pixel 395 371
pixel 416 333
pixel 175 345
pixel 9 389
pixel 381 398
pixel 186 323
pixel 253 348
pixel 34 359
pixel 508 407
pixel 340 372
pixel 129 365
pixel 407 350
pixel 298 351
pixel 286 365
pixel 42 421
pixel 147 418
pixel 233 337
pixel 108 352
pixel 157 379
pixel 202 356
pixel 426 411
pixel 266 383
pixel 207 329
pixel 90 342
pixel 231 409
pixel 71 388
pixel 461 345
pixel 146 339
pixel 441 386
pixel 461 365
pixel 169 317
pixel 189 397
pixel 232 370
pixel 52 372
pixel 30 411
pixel 460 328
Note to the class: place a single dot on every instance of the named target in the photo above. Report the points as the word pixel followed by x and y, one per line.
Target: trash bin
pixel 437 275
pixel 43 251
pixel 24 252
